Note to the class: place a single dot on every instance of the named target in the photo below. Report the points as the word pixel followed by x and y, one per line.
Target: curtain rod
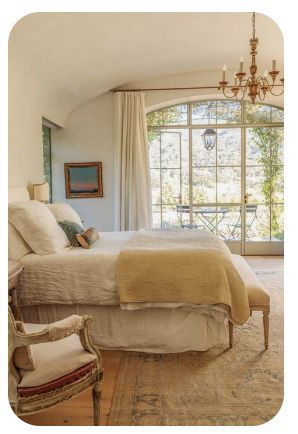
pixel 173 88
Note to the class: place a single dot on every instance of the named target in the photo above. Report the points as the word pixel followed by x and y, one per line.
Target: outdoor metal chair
pixel 235 229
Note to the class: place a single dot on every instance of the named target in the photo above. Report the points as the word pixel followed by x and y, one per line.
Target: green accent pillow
pixel 71 229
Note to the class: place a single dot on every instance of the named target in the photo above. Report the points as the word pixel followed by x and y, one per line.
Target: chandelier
pixel 253 85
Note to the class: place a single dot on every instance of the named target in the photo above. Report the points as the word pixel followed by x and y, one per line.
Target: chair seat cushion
pixel 257 295
pixel 66 380
pixel 54 359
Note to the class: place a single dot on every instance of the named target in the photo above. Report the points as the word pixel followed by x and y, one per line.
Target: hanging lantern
pixel 209 138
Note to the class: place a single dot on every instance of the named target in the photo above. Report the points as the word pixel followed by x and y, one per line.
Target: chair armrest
pixel 55 331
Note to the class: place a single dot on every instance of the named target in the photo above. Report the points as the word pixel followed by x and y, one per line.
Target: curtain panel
pixel 133 207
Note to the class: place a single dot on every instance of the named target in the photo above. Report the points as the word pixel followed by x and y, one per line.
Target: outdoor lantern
pixel 209 138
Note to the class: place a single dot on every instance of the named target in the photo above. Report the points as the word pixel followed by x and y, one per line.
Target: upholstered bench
pixel 258 297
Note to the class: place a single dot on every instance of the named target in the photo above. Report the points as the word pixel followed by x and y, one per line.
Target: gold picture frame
pixel 83 180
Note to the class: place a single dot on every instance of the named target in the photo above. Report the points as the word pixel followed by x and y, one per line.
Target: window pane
pixel 264 146
pixel 170 149
pixel 47 165
pixel 185 187
pixel 228 112
pixel 277 145
pixel 229 146
pixel 277 184
pixel 204 112
pixel 257 113
pixel 258 223
pixel 154 148
pixel 170 185
pixel 258 184
pixel 155 185
pixel 229 184
pixel 277 115
pixel 170 217
pixel 204 187
pixel 277 222
pixel 156 216
pixel 175 115
pixel 200 155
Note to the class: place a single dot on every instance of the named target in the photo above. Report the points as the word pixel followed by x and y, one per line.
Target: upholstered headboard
pixel 18 194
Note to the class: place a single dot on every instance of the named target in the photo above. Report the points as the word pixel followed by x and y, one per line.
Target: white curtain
pixel 133 208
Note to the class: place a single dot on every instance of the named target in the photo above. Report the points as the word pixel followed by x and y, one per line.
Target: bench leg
pixel 231 328
pixel 266 329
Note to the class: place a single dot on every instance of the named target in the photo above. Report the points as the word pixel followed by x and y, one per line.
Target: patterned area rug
pixel 241 386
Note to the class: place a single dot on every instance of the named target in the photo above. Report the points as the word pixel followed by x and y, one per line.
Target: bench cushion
pixel 257 295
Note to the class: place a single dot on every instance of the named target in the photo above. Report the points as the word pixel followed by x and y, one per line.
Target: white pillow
pixel 38 227
pixel 17 246
pixel 62 211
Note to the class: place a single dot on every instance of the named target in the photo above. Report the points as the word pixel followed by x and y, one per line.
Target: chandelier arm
pixel 228 96
pixel 276 94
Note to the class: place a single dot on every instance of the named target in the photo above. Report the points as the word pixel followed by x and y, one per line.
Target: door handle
pixel 246 196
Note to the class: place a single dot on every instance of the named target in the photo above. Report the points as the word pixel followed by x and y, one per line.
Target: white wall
pixel 25 128
pixel 87 137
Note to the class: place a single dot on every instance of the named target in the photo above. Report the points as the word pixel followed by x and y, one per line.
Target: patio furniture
pixel 184 209
pixel 235 229
pixel 258 297
pixel 211 218
pixel 50 363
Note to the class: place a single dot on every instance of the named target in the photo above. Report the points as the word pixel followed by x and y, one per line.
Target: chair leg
pixel 231 328
pixel 266 329
pixel 96 394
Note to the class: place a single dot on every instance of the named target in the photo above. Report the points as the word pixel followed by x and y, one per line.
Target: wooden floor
pixel 78 411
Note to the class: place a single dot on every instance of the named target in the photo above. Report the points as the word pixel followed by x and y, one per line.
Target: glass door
pixel 263 198
pixel 217 166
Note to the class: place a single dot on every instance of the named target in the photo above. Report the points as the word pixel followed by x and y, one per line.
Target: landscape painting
pixel 83 180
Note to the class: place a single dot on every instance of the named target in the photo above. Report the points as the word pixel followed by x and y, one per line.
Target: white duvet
pixel 85 277
pixel 77 275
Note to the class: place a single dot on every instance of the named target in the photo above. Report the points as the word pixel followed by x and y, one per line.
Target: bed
pixel 52 287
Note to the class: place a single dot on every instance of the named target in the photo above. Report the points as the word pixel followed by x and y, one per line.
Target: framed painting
pixel 83 180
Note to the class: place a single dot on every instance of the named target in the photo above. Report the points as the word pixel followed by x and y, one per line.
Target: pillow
pixel 88 237
pixel 71 229
pixel 63 211
pixel 23 356
pixel 38 227
pixel 17 246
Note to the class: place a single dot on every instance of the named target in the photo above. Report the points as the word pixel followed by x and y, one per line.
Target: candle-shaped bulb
pixel 274 64
pixel 241 64
pixel 224 68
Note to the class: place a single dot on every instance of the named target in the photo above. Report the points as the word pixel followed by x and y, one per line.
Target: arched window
pixel 217 165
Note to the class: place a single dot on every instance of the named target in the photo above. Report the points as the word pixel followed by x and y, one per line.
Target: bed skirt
pixel 149 330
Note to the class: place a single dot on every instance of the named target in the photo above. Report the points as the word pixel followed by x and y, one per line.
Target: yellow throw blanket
pixel 181 266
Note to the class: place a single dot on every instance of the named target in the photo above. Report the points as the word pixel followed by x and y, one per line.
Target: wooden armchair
pixel 66 363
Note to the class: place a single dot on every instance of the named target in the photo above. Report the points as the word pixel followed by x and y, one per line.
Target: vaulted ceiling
pixel 79 56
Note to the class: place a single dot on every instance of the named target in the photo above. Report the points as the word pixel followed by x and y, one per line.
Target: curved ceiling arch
pixel 80 56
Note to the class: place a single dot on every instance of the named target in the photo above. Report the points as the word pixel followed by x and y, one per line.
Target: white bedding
pixel 84 276
pixel 76 275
